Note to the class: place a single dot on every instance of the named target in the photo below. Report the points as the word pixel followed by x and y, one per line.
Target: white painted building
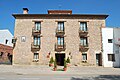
pixel 111 52
pixel 6 37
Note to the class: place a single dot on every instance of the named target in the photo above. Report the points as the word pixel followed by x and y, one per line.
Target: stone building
pixel 58 34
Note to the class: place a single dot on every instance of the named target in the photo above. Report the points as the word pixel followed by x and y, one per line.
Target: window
pixel 83 41
pixel 1 53
pixel 14 40
pixel 8 54
pixel 6 41
pixel 60 40
pixel 23 39
pixel 36 40
pixel 111 57
pixel 37 26
pixel 36 56
pixel 83 26
pixel 61 26
pixel 109 40
pixel 84 56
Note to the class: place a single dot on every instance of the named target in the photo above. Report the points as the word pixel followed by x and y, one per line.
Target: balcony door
pixel 60 40
pixel 83 41
pixel 36 40
pixel 37 25
pixel 83 26
pixel 60 26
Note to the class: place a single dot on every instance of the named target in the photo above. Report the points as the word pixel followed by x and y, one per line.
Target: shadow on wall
pixel 100 77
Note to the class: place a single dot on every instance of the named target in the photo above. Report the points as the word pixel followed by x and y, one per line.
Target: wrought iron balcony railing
pixel 83 32
pixel 36 32
pixel 60 32
pixel 83 48
pixel 35 47
pixel 60 47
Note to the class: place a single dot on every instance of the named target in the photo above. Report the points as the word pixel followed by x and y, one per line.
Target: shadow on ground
pixel 100 77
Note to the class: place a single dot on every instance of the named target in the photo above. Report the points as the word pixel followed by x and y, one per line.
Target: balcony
pixel 60 32
pixel 36 32
pixel 35 47
pixel 83 33
pixel 60 47
pixel 83 48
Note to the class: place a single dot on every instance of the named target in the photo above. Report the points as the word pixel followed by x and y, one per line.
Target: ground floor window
pixel 111 57
pixel 1 53
pixel 36 56
pixel 84 56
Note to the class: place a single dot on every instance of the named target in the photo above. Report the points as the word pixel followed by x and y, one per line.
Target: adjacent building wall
pixel 111 48
pixel 6 35
pixel 116 33
pixel 6 47
pixel 107 33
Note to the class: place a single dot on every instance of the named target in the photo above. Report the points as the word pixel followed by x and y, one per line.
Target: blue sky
pixel 110 7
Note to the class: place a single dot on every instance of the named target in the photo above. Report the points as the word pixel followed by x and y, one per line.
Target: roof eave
pixel 26 15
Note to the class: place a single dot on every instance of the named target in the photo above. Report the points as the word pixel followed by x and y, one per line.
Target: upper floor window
pixel 83 26
pixel 60 40
pixel 61 26
pixel 36 40
pixel 37 25
pixel 110 40
pixel 6 41
pixel 83 41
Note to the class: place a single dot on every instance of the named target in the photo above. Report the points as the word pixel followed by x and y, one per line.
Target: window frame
pixel 84 54
pixel 36 40
pixel 1 54
pixel 83 26
pixel 6 41
pixel 60 26
pixel 36 56
pixel 110 40
pixel 111 57
pixel 61 40
pixel 36 25
pixel 84 42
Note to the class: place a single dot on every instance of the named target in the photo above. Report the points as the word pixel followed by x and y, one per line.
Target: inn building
pixel 59 34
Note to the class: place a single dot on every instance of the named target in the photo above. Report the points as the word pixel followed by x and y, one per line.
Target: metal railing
pixel 60 47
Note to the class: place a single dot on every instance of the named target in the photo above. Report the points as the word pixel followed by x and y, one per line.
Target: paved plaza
pixel 11 72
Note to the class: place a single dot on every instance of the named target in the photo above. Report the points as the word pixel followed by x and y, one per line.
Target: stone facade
pixel 23 28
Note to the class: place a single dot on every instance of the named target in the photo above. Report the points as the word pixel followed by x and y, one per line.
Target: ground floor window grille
pixel 84 57
pixel 36 57
pixel 111 57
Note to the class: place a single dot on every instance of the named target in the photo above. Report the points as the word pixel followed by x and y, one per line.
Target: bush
pixel 68 60
pixel 55 64
pixel 51 60
pixel 65 65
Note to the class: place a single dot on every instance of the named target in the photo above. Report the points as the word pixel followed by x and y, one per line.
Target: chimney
pixel 25 10
pixel 59 11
